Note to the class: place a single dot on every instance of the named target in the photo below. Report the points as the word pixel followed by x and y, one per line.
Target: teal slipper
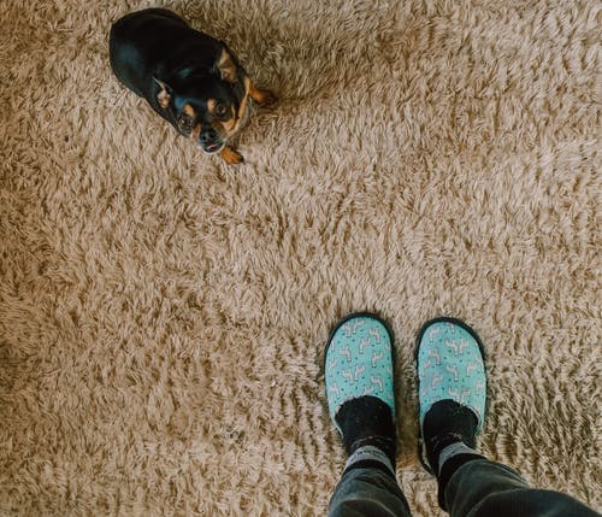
pixel 450 366
pixel 359 362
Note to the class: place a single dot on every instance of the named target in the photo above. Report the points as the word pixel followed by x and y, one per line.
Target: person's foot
pixel 358 369
pixel 452 389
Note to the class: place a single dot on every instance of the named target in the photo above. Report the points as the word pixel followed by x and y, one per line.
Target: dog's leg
pixel 230 156
pixel 261 97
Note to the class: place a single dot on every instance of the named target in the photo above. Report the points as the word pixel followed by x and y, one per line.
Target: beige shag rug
pixel 163 315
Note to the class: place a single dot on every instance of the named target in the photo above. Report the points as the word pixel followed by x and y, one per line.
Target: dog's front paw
pixel 263 97
pixel 230 156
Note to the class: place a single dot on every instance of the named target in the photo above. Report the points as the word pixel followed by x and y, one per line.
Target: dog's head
pixel 208 104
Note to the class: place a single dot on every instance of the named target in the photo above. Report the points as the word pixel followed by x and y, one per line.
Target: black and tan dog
pixel 192 80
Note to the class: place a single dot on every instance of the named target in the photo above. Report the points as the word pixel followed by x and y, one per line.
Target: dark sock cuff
pixel 438 443
pixel 370 464
pixel 384 443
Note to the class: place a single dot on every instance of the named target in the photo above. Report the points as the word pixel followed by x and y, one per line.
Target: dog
pixel 192 80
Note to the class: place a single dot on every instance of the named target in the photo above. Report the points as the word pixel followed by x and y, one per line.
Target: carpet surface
pixel 163 315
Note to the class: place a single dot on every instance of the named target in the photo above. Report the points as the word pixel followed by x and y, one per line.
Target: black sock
pixel 445 423
pixel 367 421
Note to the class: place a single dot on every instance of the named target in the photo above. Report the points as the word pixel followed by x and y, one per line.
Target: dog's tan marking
pixel 226 67
pixel 230 124
pixel 261 97
pixel 211 105
pixel 189 110
pixel 163 97
pixel 241 110
pixel 195 133
pixel 230 156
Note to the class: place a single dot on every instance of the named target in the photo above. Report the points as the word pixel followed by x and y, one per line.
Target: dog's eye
pixel 185 123
pixel 221 109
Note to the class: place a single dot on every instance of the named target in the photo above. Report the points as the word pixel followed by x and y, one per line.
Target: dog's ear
pixel 225 66
pixel 164 95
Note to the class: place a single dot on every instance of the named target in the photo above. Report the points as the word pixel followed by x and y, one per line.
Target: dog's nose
pixel 208 135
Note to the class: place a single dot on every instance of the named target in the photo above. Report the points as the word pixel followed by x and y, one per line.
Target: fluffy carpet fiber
pixel 163 315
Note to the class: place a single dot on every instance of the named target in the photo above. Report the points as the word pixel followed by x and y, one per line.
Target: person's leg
pixel 358 370
pixel 368 488
pixel 452 387
pixel 480 488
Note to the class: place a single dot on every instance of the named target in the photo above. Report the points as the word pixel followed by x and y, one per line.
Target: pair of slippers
pixel 359 361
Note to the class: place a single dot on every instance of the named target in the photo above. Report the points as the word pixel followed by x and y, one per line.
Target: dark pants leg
pixel 368 491
pixel 482 488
